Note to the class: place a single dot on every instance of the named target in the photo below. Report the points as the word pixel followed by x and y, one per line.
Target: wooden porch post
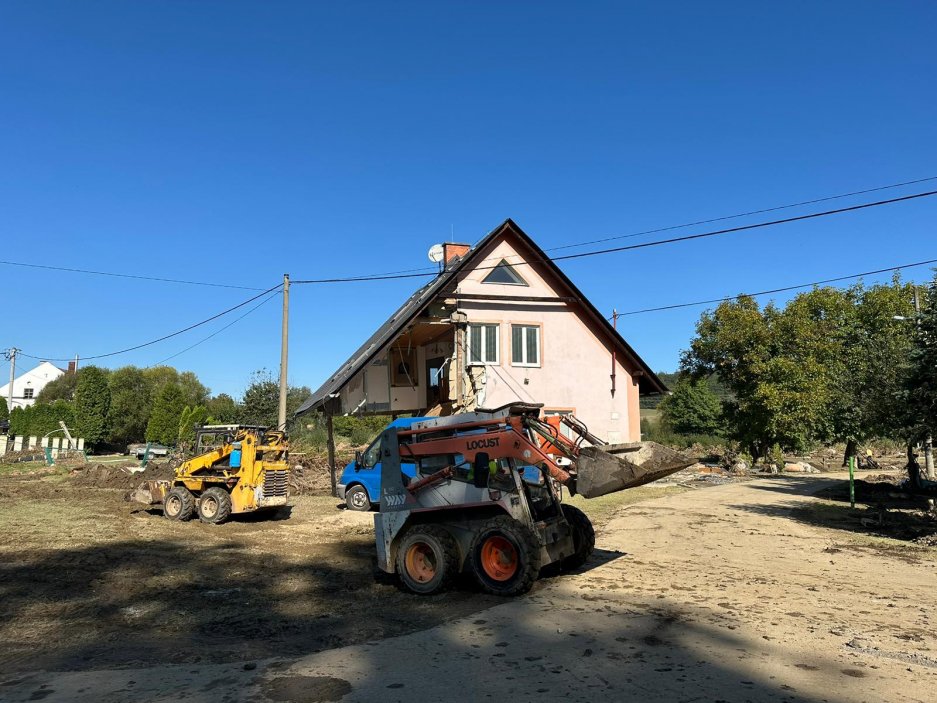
pixel 331 447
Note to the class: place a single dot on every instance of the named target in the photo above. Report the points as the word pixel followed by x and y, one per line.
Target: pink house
pixel 500 323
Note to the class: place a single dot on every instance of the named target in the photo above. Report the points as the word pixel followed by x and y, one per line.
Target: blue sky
pixel 232 142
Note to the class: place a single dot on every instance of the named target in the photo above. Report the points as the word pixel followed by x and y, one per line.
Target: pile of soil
pixel 111 476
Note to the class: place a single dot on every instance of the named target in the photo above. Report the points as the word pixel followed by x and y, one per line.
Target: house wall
pixel 36 379
pixel 576 355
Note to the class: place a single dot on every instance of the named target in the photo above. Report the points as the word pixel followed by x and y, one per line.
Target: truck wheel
pixel 179 504
pixel 214 506
pixel 505 557
pixel 427 559
pixel 356 498
pixel 583 537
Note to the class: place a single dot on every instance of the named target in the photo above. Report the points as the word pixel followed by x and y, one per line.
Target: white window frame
pixel 28 393
pixel 524 353
pixel 485 328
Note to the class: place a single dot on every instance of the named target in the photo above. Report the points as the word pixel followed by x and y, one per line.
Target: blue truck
pixel 360 483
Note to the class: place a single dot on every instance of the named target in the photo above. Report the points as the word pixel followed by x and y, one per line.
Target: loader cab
pixel 360 483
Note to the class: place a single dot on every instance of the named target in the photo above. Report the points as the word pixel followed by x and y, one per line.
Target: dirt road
pixel 737 592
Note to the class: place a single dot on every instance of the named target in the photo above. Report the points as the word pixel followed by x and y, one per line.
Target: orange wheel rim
pixel 421 562
pixel 499 558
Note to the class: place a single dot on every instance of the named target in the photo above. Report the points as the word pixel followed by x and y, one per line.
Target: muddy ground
pixel 773 589
pixel 89 581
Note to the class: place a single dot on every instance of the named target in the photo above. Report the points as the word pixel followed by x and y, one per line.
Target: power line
pixel 429 270
pixel 777 290
pixel 167 336
pixel 218 331
pixel 746 214
pixel 643 245
pixel 742 228
pixel 126 275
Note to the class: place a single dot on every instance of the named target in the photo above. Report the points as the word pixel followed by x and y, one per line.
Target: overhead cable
pixel 164 337
pixel 429 270
pixel 776 290
pixel 125 275
pixel 643 245
pixel 218 331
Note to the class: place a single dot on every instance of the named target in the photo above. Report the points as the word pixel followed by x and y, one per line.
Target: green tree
pixel 223 409
pixel 692 408
pixel 4 412
pixel 61 388
pixel 19 422
pixel 921 383
pixel 92 402
pixel 163 425
pixel 260 403
pixel 735 341
pixel 189 419
pixel 193 391
pixel 131 403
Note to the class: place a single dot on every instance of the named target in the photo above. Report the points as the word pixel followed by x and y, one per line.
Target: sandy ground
pixel 735 593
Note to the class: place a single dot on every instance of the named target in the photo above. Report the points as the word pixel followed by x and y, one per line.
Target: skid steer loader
pixel 237 469
pixel 472 506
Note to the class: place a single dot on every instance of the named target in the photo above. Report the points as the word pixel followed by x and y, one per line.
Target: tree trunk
pixel 852 449
pixel 914 469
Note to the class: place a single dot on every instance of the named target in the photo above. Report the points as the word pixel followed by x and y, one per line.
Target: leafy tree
pixel 260 403
pixel 19 422
pixel 827 367
pixel 92 402
pixel 692 408
pixel 223 409
pixel 921 383
pixel 189 419
pixel 61 388
pixel 4 412
pixel 131 403
pixel 163 425
pixel 193 391
pixel 735 341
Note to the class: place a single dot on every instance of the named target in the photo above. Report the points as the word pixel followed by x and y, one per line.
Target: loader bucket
pixel 149 492
pixel 601 472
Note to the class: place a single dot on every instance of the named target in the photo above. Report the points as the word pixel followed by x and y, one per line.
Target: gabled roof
pixel 418 302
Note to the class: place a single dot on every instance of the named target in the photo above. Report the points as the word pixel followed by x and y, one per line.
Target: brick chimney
pixel 452 251
pixel 71 367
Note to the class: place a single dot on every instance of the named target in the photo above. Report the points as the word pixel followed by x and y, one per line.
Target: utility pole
pixel 614 359
pixel 928 438
pixel 11 356
pixel 284 347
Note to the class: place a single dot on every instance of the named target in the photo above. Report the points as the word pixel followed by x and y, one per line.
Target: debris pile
pixel 118 476
pixel 310 474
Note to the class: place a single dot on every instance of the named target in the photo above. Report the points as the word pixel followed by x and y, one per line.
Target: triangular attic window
pixel 504 273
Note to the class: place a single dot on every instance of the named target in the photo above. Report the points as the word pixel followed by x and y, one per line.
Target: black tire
pixel 356 498
pixel 583 537
pixel 214 506
pixel 179 504
pixel 505 557
pixel 427 559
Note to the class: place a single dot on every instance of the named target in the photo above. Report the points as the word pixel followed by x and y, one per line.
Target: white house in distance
pixel 26 387
pixel 501 323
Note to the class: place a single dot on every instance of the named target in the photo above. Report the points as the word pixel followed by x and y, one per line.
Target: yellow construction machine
pixel 236 469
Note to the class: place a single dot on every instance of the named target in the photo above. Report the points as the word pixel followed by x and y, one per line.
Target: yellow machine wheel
pixel 179 504
pixel 214 506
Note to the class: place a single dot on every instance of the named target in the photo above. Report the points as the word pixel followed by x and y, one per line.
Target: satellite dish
pixel 435 253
